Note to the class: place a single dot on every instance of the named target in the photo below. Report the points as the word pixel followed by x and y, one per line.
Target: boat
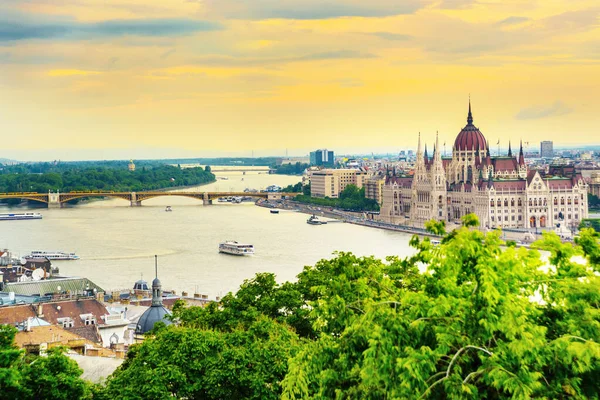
pixel 237 249
pixel 314 220
pixel 274 211
pixel 222 200
pixel 168 208
pixel 51 255
pixel 19 216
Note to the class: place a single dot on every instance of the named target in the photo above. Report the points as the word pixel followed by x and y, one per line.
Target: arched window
pixel 505 202
pixel 530 202
pixel 576 200
pixel 520 203
pixel 535 203
pixel 569 201
pixel 556 201
pixel 492 203
pixel 512 202
pixel 562 201
pixel 499 203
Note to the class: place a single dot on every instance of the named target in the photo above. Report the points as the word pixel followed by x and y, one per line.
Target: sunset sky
pixel 91 79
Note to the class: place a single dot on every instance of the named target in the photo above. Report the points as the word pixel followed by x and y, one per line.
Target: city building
pixel 374 187
pixel 595 183
pixel 323 157
pixel 331 182
pixel 546 149
pixel 500 190
pixel 131 166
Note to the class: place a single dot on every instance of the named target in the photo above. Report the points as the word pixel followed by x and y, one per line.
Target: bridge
pixel 57 200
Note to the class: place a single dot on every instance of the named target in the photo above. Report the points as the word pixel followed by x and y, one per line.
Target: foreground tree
pixel 54 376
pixel 481 321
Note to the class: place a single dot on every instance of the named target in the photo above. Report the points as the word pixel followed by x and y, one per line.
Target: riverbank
pixel 356 218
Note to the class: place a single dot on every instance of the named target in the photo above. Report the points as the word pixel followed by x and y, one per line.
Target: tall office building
pixel 546 149
pixel 322 157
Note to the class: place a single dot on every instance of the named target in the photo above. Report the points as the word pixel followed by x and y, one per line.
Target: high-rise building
pixel 546 149
pixel 322 157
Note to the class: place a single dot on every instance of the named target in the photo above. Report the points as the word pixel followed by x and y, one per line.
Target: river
pixel 117 242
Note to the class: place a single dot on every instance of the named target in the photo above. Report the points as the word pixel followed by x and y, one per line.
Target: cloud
pixel 391 36
pixel 308 9
pixel 226 61
pixel 27 27
pixel 456 4
pixel 513 20
pixel 537 112
pixel 71 72
pixel 332 55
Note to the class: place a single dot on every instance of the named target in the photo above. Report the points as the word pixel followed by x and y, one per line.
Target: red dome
pixel 470 138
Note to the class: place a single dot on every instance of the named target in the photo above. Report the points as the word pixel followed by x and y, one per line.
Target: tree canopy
pixel 24 377
pixel 464 319
pixel 351 198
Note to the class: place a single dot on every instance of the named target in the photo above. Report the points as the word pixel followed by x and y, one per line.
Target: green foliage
pixel 77 178
pixel 297 188
pixel 590 223
pixel 186 362
pixel 290 169
pixel 351 198
pixel 593 201
pixel 436 227
pixel 53 376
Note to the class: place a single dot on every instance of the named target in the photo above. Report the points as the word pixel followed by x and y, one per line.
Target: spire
pixel 509 149
pixel 470 116
pixel 156 287
pixel 438 154
pixel 419 145
pixel 521 156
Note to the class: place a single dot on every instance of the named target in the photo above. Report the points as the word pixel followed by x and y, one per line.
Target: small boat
pixel 314 220
pixel 19 216
pixel 168 208
pixel 51 255
pixel 274 211
pixel 237 249
pixel 222 200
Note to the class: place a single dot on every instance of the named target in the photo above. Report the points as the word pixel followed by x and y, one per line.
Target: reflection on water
pixel 117 243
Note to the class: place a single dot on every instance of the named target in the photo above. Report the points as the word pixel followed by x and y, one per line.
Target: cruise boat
pixel 52 255
pixel 168 208
pixel 314 220
pixel 19 216
pixel 235 248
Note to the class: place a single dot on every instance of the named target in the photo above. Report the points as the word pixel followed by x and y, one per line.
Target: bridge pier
pixel 206 199
pixel 54 200
pixel 134 202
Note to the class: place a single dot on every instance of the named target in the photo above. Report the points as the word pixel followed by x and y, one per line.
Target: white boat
pixel 52 255
pixel 19 216
pixel 235 248
pixel 168 208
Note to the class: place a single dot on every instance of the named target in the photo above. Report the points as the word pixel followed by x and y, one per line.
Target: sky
pixel 119 79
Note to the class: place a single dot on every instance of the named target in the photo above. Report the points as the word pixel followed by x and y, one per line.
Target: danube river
pixel 117 243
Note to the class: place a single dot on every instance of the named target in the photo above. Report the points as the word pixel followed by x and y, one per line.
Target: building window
pixel 530 202
pixel 505 202
pixel 492 203
pixel 520 217
pixel 499 203
pixel 506 217
pixel 520 203
pixel 512 202
pixel 562 201
pixel 555 201
pixel 569 201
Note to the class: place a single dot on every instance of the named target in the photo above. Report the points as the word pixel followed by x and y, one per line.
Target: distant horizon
pixel 292 153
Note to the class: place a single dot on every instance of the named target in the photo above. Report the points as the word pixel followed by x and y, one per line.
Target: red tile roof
pixel 53 311
pixel 505 164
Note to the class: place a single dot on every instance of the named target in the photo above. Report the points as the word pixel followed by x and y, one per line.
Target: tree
pixel 479 322
pixel 186 362
pixel 54 376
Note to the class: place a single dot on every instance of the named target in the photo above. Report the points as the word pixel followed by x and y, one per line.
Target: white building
pixel 501 190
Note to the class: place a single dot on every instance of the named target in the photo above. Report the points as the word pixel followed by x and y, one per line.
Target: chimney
pixel 40 312
pixel 28 325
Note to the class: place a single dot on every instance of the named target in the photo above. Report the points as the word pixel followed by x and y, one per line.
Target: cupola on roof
pixel 470 138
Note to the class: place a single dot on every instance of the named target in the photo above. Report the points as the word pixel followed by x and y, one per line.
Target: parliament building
pixel 500 190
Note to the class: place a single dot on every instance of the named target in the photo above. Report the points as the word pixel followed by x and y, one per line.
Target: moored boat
pixel 19 216
pixel 314 220
pixel 237 249
pixel 274 211
pixel 51 255
pixel 168 208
